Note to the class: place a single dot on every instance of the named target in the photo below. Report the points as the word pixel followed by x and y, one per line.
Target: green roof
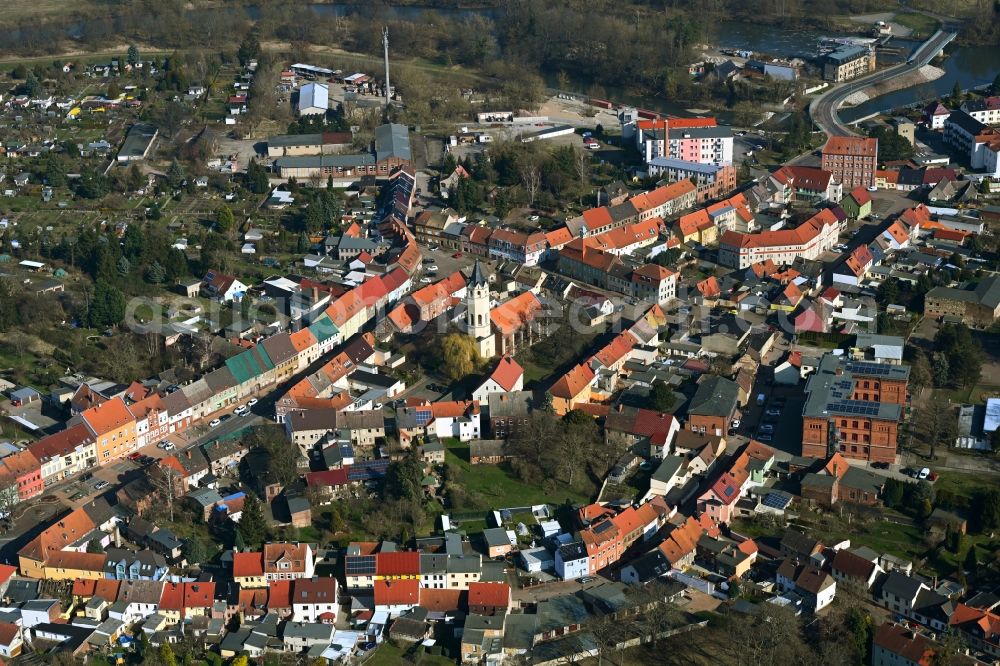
pixel 323 328
pixel 249 364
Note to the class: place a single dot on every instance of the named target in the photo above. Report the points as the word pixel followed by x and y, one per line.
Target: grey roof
pixel 464 563
pixel 514 403
pixel 392 140
pixel 668 468
pixel 847 53
pixel 519 631
pixel 433 563
pixel 716 396
pixel 322 161
pixel 684 165
pixel 901 585
pixel 862 479
pixel 985 293
pixel 829 392
pixel 308 630
pixel 496 536
pixel 479 276
pixel 559 612
pixel 137 140
pixel 720 132
pixel 570 552
pixel 966 122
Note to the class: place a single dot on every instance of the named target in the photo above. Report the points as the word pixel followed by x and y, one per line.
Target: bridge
pixel 824 109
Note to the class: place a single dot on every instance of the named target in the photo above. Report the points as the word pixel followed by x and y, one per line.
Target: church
pixel 506 328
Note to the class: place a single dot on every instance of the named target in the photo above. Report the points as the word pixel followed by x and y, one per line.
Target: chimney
pixel 315 294
pixel 621 408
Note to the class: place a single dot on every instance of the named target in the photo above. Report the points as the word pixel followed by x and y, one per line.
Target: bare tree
pixel 531 178
pixel 164 478
pixel 581 163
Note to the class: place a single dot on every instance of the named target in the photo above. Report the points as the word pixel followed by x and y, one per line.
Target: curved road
pixel 823 109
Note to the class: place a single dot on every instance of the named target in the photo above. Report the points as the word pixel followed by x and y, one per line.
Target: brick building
pixel 854 408
pixel 851 159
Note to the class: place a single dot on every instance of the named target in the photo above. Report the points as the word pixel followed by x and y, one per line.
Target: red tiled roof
pixel 851 145
pixel 860 195
pixel 108 416
pixel 709 287
pixel 61 443
pixel 58 535
pixel 21 463
pixel 397 592
pixel 397 564
pixel 172 597
pixel 199 595
pixel 279 594
pixel 247 565
pixel 496 595
pixel 573 383
pixel 800 235
pixel 661 195
pixel 442 601
pixel 507 372
pixel 513 314
pixel 71 559
pixel 617 349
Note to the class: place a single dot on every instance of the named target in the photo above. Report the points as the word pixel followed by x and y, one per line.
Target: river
pixel 969 66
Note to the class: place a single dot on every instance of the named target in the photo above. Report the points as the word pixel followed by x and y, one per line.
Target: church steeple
pixel 478 276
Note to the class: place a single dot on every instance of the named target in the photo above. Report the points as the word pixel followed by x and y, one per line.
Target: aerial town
pixel 431 343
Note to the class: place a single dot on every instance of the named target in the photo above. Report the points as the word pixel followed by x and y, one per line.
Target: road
pixel 823 109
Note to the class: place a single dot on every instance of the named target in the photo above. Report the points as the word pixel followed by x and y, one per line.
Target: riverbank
pixel 925 74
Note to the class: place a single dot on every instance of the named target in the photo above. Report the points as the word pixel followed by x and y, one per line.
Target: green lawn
pixel 496 486
pixel 390 654
pixel 921 24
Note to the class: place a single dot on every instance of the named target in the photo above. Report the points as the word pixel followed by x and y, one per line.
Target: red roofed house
pixel 653 283
pixel 857 204
pixel 854 268
pixel 808 240
pixel 315 600
pixel 277 561
pixel 851 159
pixel 456 418
pixel 572 388
pixel 26 471
pixel 396 596
pixel 222 287
pixel 489 598
pixel 506 377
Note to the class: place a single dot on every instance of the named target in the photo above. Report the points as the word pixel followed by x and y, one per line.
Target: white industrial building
pixel 314 98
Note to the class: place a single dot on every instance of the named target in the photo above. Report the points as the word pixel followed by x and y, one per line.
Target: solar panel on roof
pixel 361 564
pixel 776 501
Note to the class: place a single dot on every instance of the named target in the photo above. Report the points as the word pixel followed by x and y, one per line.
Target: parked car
pixel 767 428
pixel 924 473
pixel 764 437
pixel 101 485
pixel 772 411
pixel 134 456
pixel 225 417
pixel 168 446
pixel 457 255
pixel 214 422
pixel 880 465
pixel 736 423
pixel 251 402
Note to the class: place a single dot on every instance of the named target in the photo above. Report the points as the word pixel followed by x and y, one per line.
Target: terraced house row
pixel 111 429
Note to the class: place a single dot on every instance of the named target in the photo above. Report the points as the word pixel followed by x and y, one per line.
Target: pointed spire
pixel 478 276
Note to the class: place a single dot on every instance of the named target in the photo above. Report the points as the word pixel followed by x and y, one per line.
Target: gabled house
pixel 222 287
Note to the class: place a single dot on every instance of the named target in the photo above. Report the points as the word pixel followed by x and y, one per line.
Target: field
pixel 496 486
pixel 921 24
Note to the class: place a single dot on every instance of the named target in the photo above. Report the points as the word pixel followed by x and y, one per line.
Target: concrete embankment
pixel 923 75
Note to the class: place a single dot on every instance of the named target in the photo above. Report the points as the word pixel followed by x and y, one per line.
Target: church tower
pixel 477 311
